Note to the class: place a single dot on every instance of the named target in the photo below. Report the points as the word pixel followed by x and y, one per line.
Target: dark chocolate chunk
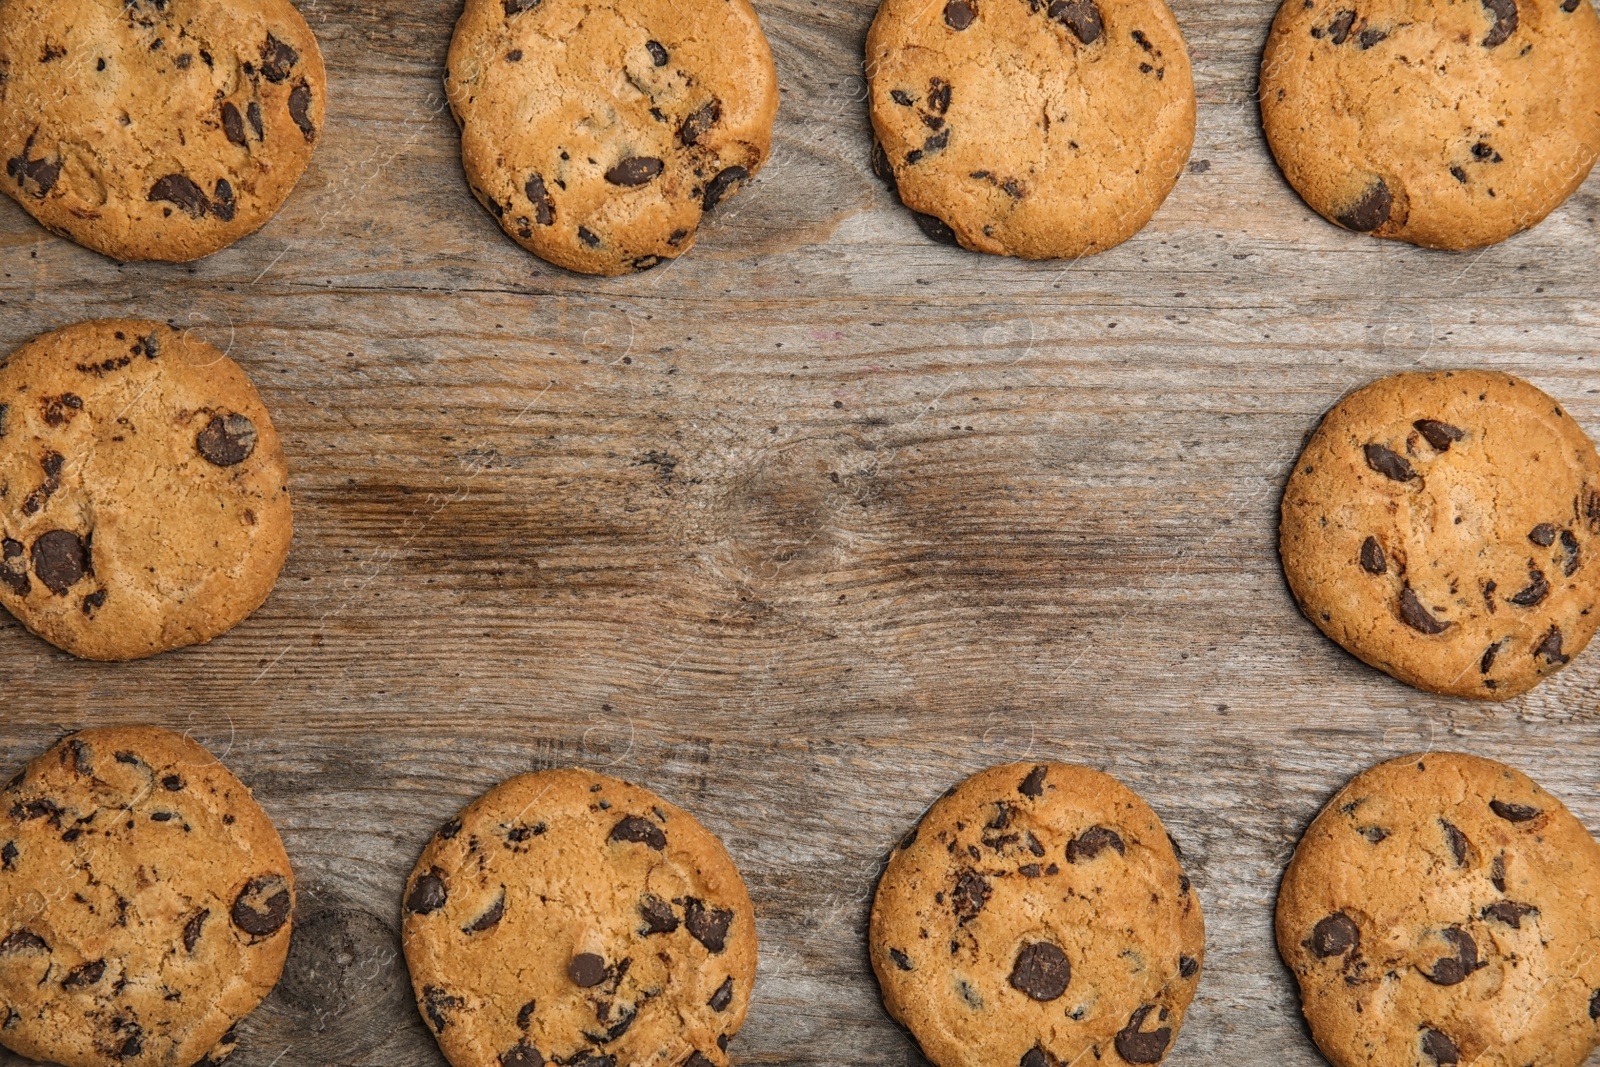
pixel 262 906
pixel 450 829
pixel 638 830
pixel 724 183
pixel 709 926
pixel 41 174
pixel 1082 17
pixel 428 893
pixel 522 1054
pixel 1569 545
pixel 1497 872
pixel 277 59
pixel 300 109
pixel 1543 535
pixel 635 170
pixel 60 560
pixel 525 1014
pixel 1509 912
pixel 14 567
pixel 227 440
pixel 233 125
pixel 192 928
pixel 1036 1057
pixel 588 237
pixel 1535 591
pixel 1504 13
pixel 699 123
pixel 1373 560
pixel 1390 464
pixel 970 895
pixel 86 975
pixel 1339 29
pixel 1334 936
pixel 1439 434
pixel 1143 1046
pixel 8 856
pixel 901 960
pixel 1550 647
pixel 1459 845
pixel 437 1006
pixel 659 917
pixel 1368 38
pixel 1486 663
pixel 517 7
pixel 1370 211
pixel 1093 841
pixel 1453 970
pixel 180 190
pixel 1033 785
pixel 23 941
pixel 1513 812
pixel 958 14
pixel 1594 1005
pixel 544 206
pixel 723 996
pixel 658 54
pixel 1418 617
pixel 1041 971
pixel 222 205
pixel 252 112
pixel 1440 1048
pixel 1188 966
pixel 935 228
pixel 490 918
pixel 587 970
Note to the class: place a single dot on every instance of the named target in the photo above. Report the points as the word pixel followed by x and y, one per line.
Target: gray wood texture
pixel 800 529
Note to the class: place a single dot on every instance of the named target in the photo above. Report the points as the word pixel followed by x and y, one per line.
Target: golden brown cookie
pixel 145 903
pixel 1441 911
pixel 1446 123
pixel 600 133
pixel 144 502
pixel 1036 128
pixel 569 918
pixel 1038 916
pixel 1445 527
pixel 156 129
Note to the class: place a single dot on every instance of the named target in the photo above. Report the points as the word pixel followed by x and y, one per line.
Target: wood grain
pixel 800 529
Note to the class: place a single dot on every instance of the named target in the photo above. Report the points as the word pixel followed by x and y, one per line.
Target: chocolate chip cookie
pixel 156 129
pixel 1445 528
pixel 600 133
pixel 1038 916
pixel 566 917
pixel 1447 124
pixel 143 494
pixel 1036 128
pixel 145 902
pixel 1441 911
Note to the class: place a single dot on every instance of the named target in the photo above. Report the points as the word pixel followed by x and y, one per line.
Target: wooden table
pixel 800 529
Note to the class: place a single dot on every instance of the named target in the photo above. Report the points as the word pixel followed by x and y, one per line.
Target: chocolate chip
pixel 722 997
pixel 970 895
pixel 1093 841
pixel 1082 17
pixel 1368 38
pixel 14 567
pixel 939 93
pixel 697 1060
pixel 227 440
pixel 1509 912
pixel 587 970
pixel 1442 1050
pixel 517 7
pixel 428 893
pixel 276 59
pixel 1033 785
pixel 1138 1046
pixel 253 113
pixel 233 125
pixel 262 906
pixel 1486 663
pixel 724 183
pixel 588 237
pixel 1550 647
pixel 1418 617
pixel 699 122
pixel 60 560
pixel 1543 535
pixel 300 109
pixel 1187 966
pixel 1569 545
pixel 1389 464
pixel 8 856
pixel 1374 834
pixel 641 831
pixel 709 926
pixel 1535 592
pixel 1334 936
pixel 192 928
pixel 1513 812
pixel 450 829
pixel 222 200
pixel 437 1006
pixel 490 918
pixel 544 207
pixel 86 975
pixel 1439 434
pixel 1339 29
pixel 1497 872
pixel 635 170
pixel 5 410
pixel 180 190
pixel 958 14
pixel 659 917
pixel 23 941
pixel 1036 1057
pixel 901 960
pixel 40 173
pixel 1041 971
pixel 1373 560
pixel 1458 174
pixel 901 97
pixel 525 1014
pixel 1459 845
pixel 1453 970
pixel 1594 1005
pixel 658 54
pixel 1504 13
pixel 522 1055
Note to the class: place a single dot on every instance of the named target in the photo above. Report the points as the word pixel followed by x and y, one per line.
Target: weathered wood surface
pixel 800 529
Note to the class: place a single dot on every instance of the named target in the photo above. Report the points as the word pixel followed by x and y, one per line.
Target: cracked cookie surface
pixel 145 903
pixel 600 134
pixel 144 501
pixel 156 129
pixel 1441 910
pixel 567 917
pixel 1038 916
pixel 1026 127
pixel 1445 528
pixel 1446 123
